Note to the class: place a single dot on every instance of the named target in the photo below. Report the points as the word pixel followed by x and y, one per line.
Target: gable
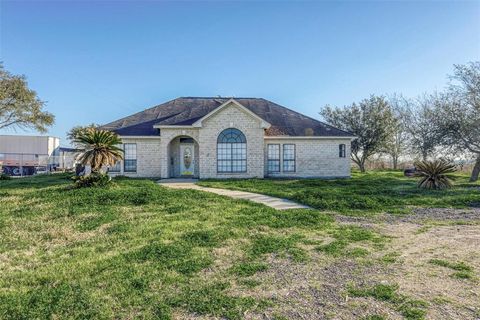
pixel 231 116
pixel 233 109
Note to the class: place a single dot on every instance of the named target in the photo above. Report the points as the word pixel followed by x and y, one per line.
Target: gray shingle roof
pixel 187 110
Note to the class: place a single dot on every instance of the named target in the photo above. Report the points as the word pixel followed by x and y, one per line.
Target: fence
pixel 21 164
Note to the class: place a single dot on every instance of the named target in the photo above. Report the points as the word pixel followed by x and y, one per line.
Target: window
pixel 130 157
pixel 341 151
pixel 231 151
pixel 186 140
pixel 273 158
pixel 288 158
pixel 117 166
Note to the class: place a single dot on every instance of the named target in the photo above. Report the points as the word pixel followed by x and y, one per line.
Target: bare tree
pixel 397 143
pixel 458 113
pixel 421 126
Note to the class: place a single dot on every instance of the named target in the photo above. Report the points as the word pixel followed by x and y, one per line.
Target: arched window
pixel 231 151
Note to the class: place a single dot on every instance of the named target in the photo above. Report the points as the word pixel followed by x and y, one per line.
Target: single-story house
pixel 215 137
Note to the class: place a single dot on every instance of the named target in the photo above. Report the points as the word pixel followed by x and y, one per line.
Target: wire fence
pixel 25 164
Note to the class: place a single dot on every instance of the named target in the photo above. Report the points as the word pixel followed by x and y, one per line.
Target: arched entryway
pixel 183 158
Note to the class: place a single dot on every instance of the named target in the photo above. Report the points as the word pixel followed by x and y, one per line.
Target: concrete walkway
pixel 273 202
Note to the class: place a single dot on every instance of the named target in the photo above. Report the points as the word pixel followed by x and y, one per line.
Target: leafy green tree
pixel 458 113
pixel 73 133
pixel 99 148
pixel 20 106
pixel 371 120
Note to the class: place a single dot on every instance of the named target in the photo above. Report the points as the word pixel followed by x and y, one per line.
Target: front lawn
pixel 138 250
pixel 371 192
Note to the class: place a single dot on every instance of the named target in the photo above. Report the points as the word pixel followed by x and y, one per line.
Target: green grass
pixel 371 192
pixel 458 266
pixel 463 271
pixel 411 309
pixel 390 257
pixel 345 235
pixel 374 317
pixel 137 250
pixel 246 269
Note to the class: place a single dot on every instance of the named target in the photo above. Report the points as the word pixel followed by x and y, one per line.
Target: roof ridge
pixel 220 97
pixel 139 112
pixel 304 115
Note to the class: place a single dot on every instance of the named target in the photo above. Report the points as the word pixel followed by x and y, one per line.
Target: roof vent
pixel 308 131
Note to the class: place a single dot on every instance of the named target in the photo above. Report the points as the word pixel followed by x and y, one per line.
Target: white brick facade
pixel 313 158
pixel 159 156
pixel 148 150
pixel 231 117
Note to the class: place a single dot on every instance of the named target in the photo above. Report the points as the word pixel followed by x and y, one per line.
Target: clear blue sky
pixel 99 61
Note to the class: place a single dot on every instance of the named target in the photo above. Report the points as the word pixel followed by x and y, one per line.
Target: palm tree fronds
pixel 99 148
pixel 434 174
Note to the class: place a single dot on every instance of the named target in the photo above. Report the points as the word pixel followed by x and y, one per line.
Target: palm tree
pixel 434 174
pixel 99 148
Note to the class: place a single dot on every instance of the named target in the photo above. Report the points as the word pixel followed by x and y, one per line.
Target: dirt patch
pixel 318 289
pixel 418 215
pixel 449 297
pixel 421 214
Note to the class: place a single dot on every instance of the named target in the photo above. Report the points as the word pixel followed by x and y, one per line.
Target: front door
pixel 187 159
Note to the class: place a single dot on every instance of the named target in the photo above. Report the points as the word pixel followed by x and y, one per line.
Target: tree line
pixel 441 124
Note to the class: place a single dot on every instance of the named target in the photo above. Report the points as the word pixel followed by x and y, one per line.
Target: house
pixel 215 137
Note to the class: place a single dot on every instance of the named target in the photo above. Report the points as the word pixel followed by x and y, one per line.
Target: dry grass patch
pixel 426 260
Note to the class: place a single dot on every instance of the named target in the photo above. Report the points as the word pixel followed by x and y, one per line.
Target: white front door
pixel 187 159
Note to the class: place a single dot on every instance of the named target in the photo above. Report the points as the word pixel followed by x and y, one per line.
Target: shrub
pixel 92 180
pixel 4 176
pixel 434 174
pixel 100 148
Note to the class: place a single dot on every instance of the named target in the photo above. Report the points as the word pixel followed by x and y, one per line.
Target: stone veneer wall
pixel 314 158
pixel 167 135
pixel 231 117
pixel 148 164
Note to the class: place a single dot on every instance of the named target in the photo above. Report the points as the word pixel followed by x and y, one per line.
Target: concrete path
pixel 273 202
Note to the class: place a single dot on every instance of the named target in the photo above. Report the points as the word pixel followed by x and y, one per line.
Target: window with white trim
pixel 273 158
pixel 289 156
pixel 130 157
pixel 231 151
